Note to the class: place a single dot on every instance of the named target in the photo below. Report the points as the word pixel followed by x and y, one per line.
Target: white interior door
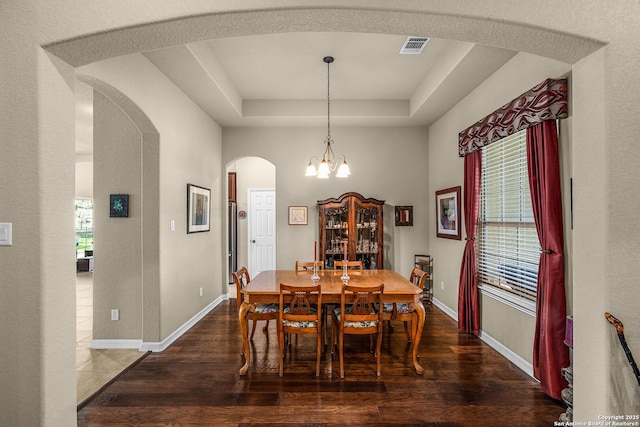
pixel 262 230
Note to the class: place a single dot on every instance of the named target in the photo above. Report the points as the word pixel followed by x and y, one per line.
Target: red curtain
pixel 468 298
pixel 549 352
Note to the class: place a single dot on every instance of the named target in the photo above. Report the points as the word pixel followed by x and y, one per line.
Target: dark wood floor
pixel 195 382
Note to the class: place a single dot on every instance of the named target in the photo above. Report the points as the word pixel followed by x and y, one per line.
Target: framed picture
pixel 119 205
pixel 232 186
pixel 404 216
pixel 448 213
pixel 297 215
pixel 198 209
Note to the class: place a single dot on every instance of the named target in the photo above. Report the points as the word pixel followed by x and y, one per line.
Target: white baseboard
pixel 507 353
pixel 512 357
pixel 451 313
pixel 164 344
pixel 157 346
pixel 115 344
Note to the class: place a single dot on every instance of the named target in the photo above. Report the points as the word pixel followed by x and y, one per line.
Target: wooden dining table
pixel 265 288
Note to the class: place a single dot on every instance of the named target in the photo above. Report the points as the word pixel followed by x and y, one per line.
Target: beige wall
pixel 375 156
pixel 117 278
pixel 592 297
pixel 36 168
pixel 84 135
pixel 84 180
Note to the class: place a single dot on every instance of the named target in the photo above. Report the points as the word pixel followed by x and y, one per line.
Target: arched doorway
pixel 122 135
pixel 250 173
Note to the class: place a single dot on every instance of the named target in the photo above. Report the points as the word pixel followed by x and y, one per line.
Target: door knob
pixel 253 241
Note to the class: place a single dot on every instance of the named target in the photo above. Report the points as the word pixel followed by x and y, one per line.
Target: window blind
pixel 508 250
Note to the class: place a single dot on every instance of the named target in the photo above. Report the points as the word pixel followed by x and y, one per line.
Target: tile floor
pixel 94 368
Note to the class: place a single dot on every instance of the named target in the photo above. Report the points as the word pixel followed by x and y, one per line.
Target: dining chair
pixel 299 314
pixel 351 265
pixel 402 311
pixel 261 311
pixel 307 265
pixel 357 315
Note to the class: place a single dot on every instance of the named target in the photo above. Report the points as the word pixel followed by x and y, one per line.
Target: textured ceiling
pixel 281 79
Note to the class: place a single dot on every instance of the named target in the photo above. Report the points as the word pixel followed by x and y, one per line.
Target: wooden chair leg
pixel 266 326
pixel 414 330
pixel 341 353
pixel 407 330
pixel 253 330
pixel 324 324
pixel 327 310
pixel 378 355
pixel 319 352
pixel 334 340
pixel 243 350
pixel 281 348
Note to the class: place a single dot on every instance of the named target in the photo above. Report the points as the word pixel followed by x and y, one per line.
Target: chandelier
pixel 329 161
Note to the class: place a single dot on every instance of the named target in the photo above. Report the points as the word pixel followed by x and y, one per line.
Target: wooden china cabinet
pixel 356 220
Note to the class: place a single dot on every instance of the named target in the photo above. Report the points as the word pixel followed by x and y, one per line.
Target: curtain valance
pixel 546 101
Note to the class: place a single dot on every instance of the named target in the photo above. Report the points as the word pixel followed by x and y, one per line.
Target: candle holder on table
pixel 345 276
pixel 315 276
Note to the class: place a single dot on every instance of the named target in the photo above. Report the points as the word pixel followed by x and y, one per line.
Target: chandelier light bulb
pixel 311 170
pixel 343 170
pixel 324 169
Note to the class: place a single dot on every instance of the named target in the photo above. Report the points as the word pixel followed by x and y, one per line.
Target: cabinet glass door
pixel 366 236
pixel 336 229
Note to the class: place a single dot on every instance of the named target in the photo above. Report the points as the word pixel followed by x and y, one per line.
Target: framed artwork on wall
pixel 404 216
pixel 119 205
pixel 198 209
pixel 232 186
pixel 297 215
pixel 448 213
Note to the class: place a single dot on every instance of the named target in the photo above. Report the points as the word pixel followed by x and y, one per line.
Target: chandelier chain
pixel 328 105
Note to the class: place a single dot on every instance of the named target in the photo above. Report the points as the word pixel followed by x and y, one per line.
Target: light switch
pixel 173 225
pixel 5 233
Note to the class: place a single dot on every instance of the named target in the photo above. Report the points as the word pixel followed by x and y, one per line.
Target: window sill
pixel 513 301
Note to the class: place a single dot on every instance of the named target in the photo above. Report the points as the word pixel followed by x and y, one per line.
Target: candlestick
pixel 315 276
pixel 345 250
pixel 345 276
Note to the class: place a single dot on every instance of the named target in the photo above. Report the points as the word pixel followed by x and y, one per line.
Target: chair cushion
pixel 300 324
pixel 387 307
pixel 402 308
pixel 354 324
pixel 266 308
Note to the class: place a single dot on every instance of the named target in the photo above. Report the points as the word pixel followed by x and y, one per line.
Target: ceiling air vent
pixel 413 45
